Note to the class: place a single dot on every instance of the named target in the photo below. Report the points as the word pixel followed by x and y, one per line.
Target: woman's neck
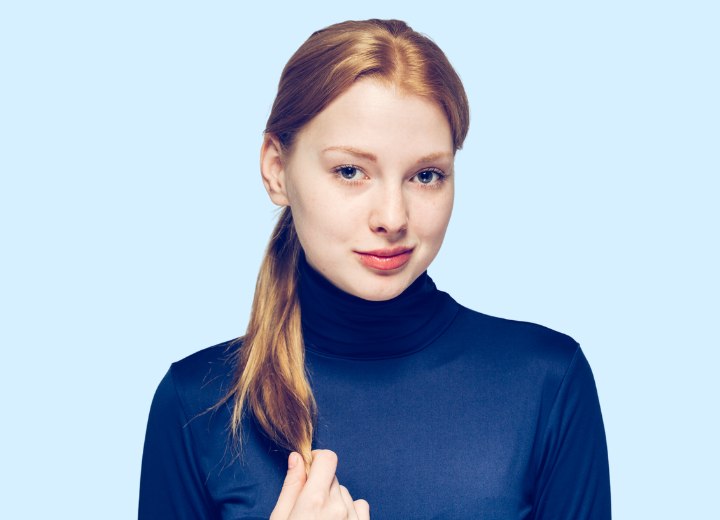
pixel 339 324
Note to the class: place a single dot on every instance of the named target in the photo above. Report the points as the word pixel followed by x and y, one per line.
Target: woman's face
pixel 370 184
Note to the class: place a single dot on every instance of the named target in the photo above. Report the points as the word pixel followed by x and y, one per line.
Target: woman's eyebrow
pixel 435 156
pixel 372 157
pixel 352 151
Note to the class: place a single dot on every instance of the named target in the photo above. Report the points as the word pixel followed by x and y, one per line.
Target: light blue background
pixel 133 217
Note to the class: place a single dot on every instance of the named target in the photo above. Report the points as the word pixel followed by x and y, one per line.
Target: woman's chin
pixel 380 286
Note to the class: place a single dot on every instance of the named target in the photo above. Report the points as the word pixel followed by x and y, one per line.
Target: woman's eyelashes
pixel 427 178
pixel 349 172
pixel 431 177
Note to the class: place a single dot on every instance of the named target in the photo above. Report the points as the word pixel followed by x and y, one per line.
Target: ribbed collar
pixel 339 324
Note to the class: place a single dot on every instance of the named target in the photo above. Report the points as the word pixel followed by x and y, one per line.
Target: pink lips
pixel 385 259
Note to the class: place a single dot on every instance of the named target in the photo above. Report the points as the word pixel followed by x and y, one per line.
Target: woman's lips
pixel 385 259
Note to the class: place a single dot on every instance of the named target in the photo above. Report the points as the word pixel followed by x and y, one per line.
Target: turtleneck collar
pixel 339 324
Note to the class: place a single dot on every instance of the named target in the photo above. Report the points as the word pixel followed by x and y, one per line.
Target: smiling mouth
pixel 385 259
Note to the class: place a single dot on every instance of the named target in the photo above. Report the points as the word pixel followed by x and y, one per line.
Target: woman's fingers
pixel 292 487
pixel 349 505
pixel 322 471
pixel 358 509
pixel 362 509
pixel 335 488
pixel 317 494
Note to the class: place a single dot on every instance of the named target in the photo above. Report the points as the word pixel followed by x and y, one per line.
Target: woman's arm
pixel 573 480
pixel 171 483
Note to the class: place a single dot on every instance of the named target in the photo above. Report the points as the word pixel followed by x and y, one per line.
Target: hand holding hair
pixel 317 494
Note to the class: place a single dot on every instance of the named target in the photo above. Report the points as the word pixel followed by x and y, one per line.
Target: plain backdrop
pixel 133 218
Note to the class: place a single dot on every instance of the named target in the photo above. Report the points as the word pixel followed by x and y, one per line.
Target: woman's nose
pixel 389 215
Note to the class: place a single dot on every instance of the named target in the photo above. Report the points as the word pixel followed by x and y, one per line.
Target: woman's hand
pixel 317 494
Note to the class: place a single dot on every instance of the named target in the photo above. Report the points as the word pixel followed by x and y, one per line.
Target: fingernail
pixel 293 460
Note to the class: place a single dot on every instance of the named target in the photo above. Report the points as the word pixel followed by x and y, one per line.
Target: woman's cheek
pixel 432 217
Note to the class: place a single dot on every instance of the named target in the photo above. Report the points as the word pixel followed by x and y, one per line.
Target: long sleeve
pixel 171 482
pixel 573 478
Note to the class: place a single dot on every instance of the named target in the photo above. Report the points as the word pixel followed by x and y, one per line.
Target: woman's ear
pixel 272 168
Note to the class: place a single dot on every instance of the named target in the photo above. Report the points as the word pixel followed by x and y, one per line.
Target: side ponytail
pixel 271 382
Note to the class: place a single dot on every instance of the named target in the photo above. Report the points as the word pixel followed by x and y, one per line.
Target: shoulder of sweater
pixel 203 378
pixel 522 340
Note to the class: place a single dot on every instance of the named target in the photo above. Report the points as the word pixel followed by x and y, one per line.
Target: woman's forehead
pixel 374 119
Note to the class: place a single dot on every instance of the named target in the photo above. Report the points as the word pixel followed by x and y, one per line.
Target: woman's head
pixel 360 146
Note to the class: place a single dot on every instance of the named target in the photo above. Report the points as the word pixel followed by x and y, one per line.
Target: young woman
pixel 355 369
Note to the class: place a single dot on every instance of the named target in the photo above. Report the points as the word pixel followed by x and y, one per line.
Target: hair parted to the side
pixel 271 382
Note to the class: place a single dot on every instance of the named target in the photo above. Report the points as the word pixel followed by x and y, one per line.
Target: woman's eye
pixel 429 176
pixel 348 172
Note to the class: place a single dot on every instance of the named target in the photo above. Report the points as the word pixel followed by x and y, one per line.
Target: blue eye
pixel 429 176
pixel 348 172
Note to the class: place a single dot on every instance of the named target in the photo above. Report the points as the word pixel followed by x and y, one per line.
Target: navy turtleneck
pixel 336 323
pixel 435 412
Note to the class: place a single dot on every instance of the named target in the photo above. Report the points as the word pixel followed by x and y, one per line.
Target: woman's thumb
pixel 293 485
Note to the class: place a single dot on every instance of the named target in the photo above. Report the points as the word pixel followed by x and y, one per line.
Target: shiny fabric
pixel 435 411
